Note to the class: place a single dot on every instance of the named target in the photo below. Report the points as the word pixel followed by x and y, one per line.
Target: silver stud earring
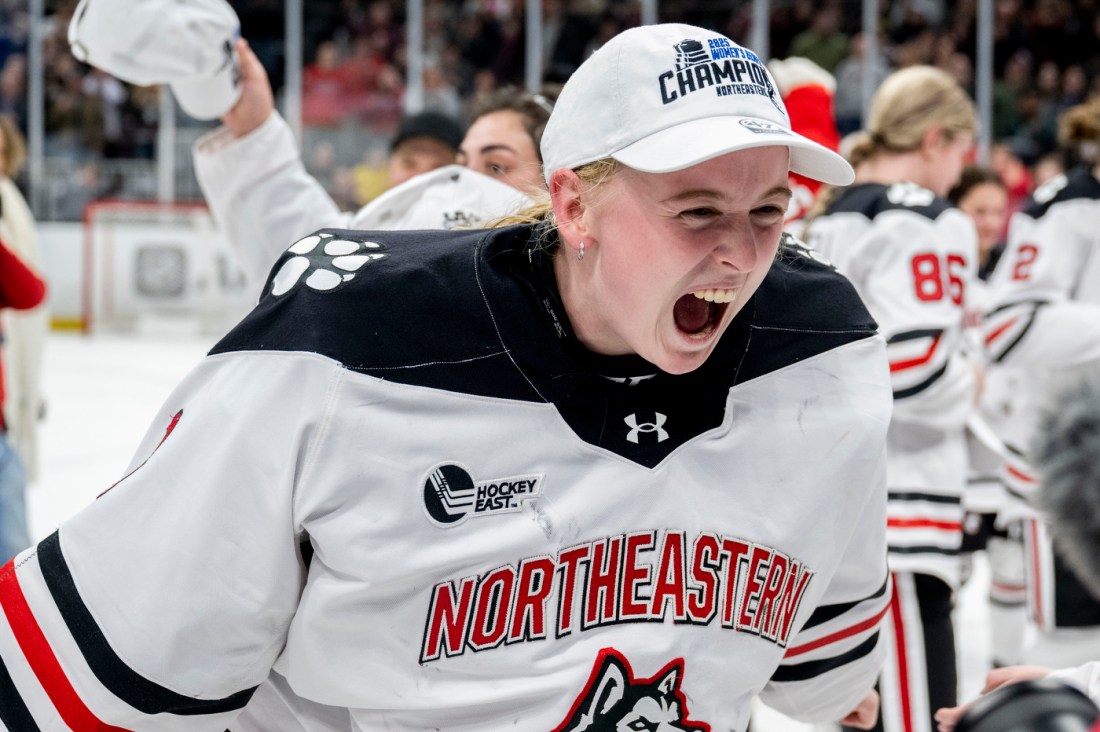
pixel 580 253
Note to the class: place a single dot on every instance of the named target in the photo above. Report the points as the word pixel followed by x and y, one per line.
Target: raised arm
pixel 252 176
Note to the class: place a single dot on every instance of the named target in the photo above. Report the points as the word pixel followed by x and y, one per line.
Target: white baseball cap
pixel 445 198
pixel 188 45
pixel 665 97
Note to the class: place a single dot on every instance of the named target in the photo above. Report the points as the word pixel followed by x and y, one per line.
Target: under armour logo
pixel 647 427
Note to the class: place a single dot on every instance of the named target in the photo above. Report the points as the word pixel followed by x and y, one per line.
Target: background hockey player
pixel 912 257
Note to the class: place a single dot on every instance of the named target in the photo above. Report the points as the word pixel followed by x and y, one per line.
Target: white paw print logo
pixel 325 261
pixel 793 244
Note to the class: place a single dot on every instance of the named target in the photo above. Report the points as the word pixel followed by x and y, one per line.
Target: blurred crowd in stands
pixel 1046 59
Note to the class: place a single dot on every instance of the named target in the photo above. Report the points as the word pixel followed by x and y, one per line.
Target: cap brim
pixel 697 141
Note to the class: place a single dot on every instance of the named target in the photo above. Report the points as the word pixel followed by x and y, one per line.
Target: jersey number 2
pixel 1025 257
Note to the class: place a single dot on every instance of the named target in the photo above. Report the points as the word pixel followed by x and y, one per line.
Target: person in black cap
pixel 423 142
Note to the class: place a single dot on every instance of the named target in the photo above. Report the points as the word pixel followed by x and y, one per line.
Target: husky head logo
pixel 615 701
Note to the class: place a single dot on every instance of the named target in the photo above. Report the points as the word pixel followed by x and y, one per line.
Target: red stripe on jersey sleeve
pixel 995 334
pixel 837 636
pixel 896 366
pixel 923 523
pixel 36 648
pixel 1019 474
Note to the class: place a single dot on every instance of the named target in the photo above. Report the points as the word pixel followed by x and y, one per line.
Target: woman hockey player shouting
pixel 620 464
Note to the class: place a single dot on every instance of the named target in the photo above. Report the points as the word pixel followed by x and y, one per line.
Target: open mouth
pixel 697 314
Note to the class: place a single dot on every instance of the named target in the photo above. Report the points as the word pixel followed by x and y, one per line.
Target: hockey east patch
pixel 452 495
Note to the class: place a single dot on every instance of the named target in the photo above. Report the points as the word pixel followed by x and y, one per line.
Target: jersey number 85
pixel 929 280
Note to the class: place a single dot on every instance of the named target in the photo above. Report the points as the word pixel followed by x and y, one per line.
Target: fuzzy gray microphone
pixel 1067 458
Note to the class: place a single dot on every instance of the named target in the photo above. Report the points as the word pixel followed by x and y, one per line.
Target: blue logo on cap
pixel 722 65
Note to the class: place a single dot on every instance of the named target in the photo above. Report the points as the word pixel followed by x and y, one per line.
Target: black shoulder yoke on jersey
pixel 872 199
pixel 1080 183
pixel 469 312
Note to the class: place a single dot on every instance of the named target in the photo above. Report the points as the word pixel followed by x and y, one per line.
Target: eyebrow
pixel 495 147
pixel 707 193
pixel 779 191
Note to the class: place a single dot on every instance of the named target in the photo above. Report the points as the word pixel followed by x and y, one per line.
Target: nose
pixel 737 245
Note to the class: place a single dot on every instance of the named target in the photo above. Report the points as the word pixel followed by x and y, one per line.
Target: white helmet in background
pixel 450 197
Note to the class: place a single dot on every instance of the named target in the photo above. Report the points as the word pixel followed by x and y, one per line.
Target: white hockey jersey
pixel 1042 327
pixel 1051 262
pixel 401 495
pixel 1053 248
pixel 912 258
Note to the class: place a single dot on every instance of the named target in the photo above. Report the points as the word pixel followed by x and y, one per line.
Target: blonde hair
pixel 1079 130
pixel 909 103
pixel 13 147
pixel 826 195
pixel 541 212
pixel 856 148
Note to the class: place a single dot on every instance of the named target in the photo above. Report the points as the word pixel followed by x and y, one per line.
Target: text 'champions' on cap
pixel 665 97
pixel 189 46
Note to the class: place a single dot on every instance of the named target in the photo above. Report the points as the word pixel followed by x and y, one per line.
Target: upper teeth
pixel 712 295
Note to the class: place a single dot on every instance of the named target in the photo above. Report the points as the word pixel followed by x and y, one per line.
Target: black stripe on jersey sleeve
pixel 912 335
pixel 918 388
pixel 1000 356
pixel 950 552
pixel 131 687
pixel 13 712
pixel 825 613
pixel 918 496
pixel 813 669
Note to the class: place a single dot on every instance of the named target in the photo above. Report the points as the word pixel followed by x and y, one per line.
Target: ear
pixel 933 139
pixel 609 690
pixel 566 195
pixel 670 682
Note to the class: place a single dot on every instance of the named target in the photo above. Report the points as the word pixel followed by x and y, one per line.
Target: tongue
pixel 691 314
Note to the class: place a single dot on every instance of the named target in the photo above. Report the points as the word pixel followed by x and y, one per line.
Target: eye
pixel 642 725
pixel 769 214
pixel 497 169
pixel 703 212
